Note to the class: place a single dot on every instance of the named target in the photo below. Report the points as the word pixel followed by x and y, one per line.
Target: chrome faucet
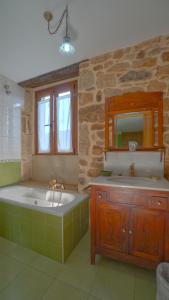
pixel 132 170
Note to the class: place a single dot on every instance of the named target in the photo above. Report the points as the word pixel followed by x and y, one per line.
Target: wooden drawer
pixel 140 199
pixel 122 196
pixel 134 197
pixel 158 202
pixel 102 195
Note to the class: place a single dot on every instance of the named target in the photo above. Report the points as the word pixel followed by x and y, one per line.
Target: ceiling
pixel 27 50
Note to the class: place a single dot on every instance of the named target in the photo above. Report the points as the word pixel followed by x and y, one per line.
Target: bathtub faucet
pixel 55 186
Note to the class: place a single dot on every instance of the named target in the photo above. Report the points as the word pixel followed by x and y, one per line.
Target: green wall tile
pixel 10 173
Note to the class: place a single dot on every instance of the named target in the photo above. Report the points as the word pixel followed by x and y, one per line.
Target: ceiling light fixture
pixel 66 48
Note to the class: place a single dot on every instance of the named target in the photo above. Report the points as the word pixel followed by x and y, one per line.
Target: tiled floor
pixel 26 275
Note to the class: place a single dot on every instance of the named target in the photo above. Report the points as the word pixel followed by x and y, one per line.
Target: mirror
pixel 135 122
pixel 134 127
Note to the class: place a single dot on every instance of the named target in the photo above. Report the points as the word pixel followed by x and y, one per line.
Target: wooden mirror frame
pixel 134 102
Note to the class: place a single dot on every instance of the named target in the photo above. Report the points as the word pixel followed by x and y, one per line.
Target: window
pixel 56 120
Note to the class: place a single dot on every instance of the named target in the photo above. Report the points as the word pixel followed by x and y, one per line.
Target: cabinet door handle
pixel 159 203
pixel 130 232
pixel 124 230
pixel 100 196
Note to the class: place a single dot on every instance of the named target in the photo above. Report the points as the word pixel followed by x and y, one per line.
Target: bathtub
pixel 48 222
pixel 54 202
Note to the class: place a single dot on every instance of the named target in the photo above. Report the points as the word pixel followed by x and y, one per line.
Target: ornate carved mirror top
pixel 134 122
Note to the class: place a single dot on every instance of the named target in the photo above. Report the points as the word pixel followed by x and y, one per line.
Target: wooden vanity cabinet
pixel 130 225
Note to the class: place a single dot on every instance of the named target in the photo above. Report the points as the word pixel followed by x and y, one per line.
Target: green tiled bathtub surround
pixel 10 173
pixel 75 225
pixel 32 229
pixel 44 233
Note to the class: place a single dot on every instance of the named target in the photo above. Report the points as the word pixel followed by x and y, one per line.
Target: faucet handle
pixel 52 183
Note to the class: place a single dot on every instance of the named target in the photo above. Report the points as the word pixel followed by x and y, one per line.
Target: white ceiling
pixel 27 50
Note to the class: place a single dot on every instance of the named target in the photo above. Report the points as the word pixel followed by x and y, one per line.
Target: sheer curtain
pixel 64 122
pixel 44 125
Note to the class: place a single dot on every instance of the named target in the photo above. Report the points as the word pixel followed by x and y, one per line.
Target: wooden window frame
pixel 53 92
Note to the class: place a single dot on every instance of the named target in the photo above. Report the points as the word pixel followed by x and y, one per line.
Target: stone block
pixel 141 54
pixel 119 67
pixel 93 172
pixel 163 71
pixel 86 80
pixel 92 113
pixel 98 68
pixel 97 150
pixel 145 63
pixel 156 85
pixel 83 162
pixel 105 80
pixel 165 56
pixel 97 126
pixel 84 142
pixel 135 76
pixel 110 92
pixel 85 99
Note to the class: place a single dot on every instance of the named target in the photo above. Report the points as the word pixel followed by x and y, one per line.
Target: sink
pixel 133 180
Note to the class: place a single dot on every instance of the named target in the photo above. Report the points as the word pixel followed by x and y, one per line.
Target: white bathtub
pixel 53 202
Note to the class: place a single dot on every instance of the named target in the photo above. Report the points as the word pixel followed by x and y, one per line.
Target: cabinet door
pixel 167 239
pixel 111 226
pixel 146 234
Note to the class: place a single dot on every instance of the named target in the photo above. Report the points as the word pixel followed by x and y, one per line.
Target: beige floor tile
pixel 29 285
pixel 63 291
pixel 48 266
pixel 9 269
pixel 26 275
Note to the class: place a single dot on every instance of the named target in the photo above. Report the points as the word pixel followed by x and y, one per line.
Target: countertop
pixel 145 183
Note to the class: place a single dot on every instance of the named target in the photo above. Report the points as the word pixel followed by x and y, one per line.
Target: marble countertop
pixel 146 183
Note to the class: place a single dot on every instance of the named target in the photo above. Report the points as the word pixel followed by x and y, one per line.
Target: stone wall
pixel 143 67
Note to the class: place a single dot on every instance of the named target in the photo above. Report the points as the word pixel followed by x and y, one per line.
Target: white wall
pixel 11 101
pixel 146 163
